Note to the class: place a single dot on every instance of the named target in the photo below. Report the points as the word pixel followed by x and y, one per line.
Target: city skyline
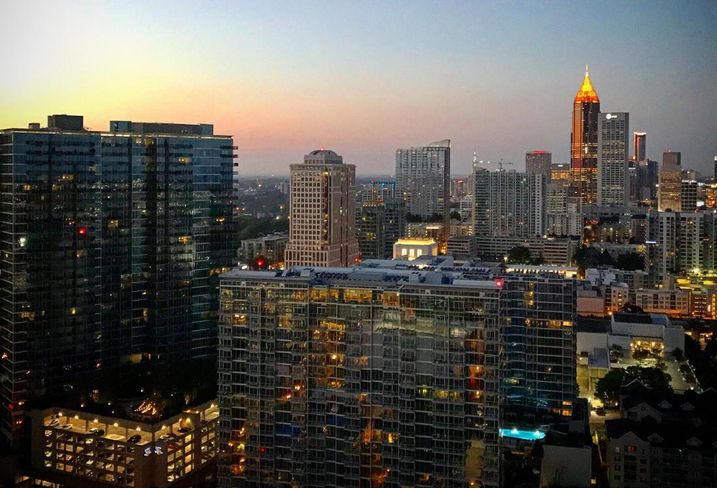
pixel 391 76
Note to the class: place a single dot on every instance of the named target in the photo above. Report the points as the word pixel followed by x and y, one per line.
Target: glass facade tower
pixel 112 246
pixel 584 141
pixel 381 376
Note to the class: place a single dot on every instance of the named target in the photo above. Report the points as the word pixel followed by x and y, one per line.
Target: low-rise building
pixel 568 452
pixel 672 302
pixel 414 248
pixel 552 250
pixel 624 333
pixel 628 330
pixel 79 448
pixel 667 440
pixel 271 247
pixel 461 247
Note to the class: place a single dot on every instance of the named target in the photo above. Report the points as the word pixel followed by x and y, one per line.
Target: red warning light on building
pixel 260 263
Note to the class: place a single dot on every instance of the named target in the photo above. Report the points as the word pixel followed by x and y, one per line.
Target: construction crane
pixel 501 164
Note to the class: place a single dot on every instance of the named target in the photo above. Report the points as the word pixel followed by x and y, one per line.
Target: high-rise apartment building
pixel 688 195
pixel 508 204
pixel 382 376
pixel 613 144
pixel 684 242
pixel 639 142
pixel 377 191
pixel 113 243
pixel 563 212
pixel 380 222
pixel 423 179
pixel 584 141
pixel 538 163
pixel 669 198
pixel 322 209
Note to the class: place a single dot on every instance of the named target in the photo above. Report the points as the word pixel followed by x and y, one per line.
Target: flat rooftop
pixel 435 271
pixel 75 124
pixel 640 318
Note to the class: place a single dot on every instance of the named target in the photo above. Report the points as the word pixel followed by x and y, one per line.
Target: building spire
pixel 587 93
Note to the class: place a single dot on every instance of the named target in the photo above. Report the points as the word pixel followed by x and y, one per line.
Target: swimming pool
pixel 525 435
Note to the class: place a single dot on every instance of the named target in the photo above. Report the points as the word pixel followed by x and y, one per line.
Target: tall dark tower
pixel 583 141
pixel 638 142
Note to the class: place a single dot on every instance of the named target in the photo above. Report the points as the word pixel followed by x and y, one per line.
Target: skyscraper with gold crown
pixel 584 141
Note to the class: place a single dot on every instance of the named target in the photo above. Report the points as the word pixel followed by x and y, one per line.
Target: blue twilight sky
pixel 365 77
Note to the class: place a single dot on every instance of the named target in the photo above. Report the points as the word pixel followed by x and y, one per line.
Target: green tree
pixel 413 218
pixel 589 257
pixel 519 255
pixel 631 261
pixel 653 378
pixel 679 354
pixel 608 387
pixel 605 259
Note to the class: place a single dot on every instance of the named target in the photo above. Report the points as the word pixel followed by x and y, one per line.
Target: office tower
pixel 584 140
pixel 113 243
pixel 379 223
pixel 382 376
pixel 508 204
pixel 423 179
pixel 613 183
pixel 672 158
pixel 560 172
pixel 322 209
pixel 688 195
pixel 633 183
pixel 639 146
pixel 563 212
pixel 538 163
pixel 647 179
pixel 670 183
pixel 715 175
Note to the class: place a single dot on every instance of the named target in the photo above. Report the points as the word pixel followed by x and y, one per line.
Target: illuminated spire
pixel 587 93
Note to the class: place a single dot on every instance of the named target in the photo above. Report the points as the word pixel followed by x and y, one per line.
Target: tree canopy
pixel 608 387
pixel 630 261
pixel 590 257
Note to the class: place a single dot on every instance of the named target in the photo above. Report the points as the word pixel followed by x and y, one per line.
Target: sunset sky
pixel 364 78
